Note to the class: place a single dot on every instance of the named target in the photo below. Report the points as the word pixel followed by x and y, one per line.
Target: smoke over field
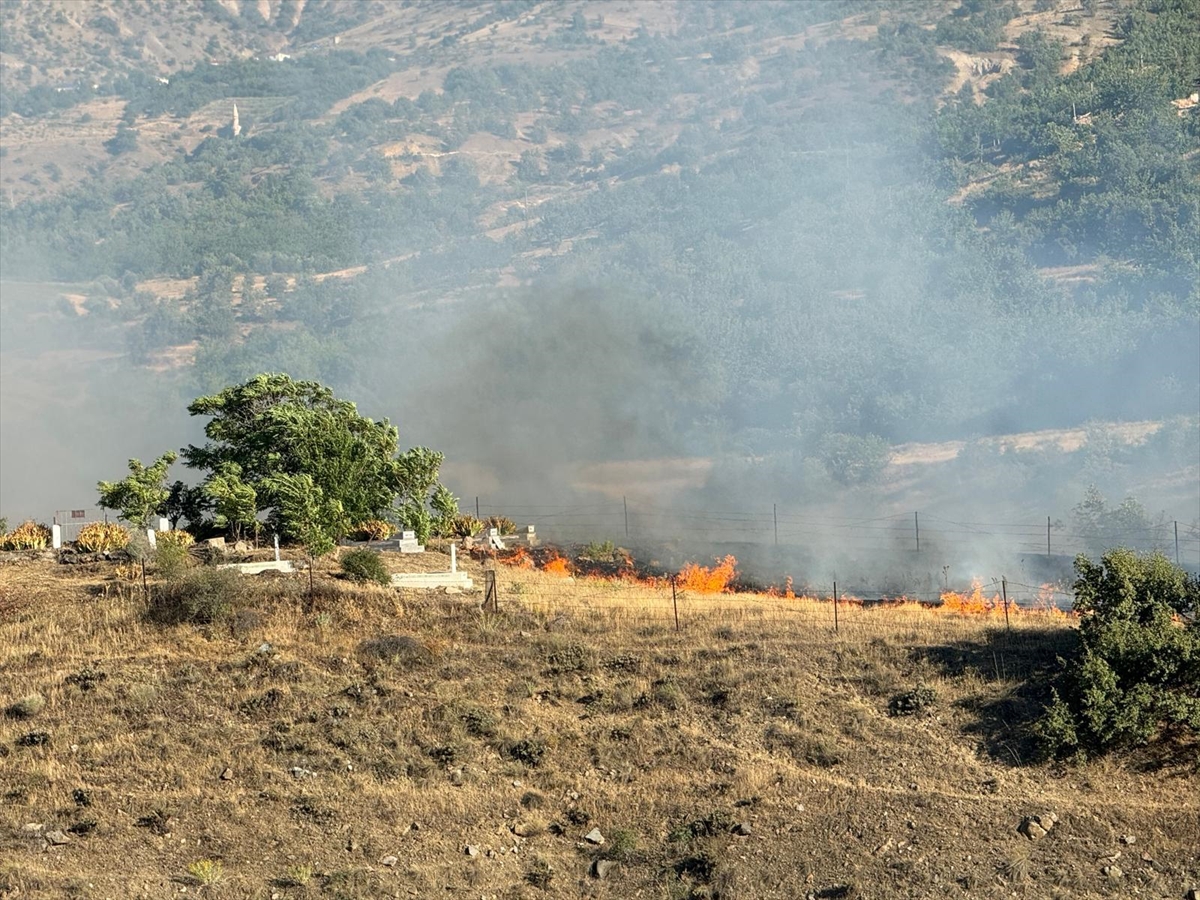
pixel 729 266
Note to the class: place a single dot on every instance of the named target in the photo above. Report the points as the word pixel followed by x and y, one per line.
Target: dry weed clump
pixel 28 535
pixel 373 530
pixel 102 537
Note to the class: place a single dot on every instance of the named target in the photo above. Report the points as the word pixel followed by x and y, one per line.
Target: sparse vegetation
pixel 206 872
pixel 202 597
pixel 617 723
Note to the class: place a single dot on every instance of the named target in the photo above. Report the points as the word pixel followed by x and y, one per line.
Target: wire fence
pixel 904 532
pixel 1010 606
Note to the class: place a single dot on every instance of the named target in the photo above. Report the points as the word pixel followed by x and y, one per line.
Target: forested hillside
pixel 704 228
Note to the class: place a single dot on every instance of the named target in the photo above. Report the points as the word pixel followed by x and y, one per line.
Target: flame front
pixel 715 580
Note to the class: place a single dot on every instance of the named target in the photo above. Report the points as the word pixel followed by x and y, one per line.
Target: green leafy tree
pixel 273 426
pixel 140 494
pixel 235 501
pixel 445 510
pixel 307 514
pixel 1136 675
pixel 186 502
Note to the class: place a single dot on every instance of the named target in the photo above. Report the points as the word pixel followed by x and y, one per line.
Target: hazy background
pixel 803 268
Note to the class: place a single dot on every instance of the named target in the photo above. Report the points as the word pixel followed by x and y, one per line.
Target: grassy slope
pixel 758 712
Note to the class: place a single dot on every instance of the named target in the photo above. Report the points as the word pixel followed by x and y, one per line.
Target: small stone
pixel 56 838
pixel 1193 894
pixel 33 828
pixel 456 777
pixel 471 850
pixel 1129 840
pixel 594 837
pixel 602 868
pixel 389 861
pixel 743 829
pixel 299 772
pixel 1035 827
pixel 227 775
pixel 1112 872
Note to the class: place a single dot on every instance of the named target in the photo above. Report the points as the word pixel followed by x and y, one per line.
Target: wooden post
pixel 917 529
pixel 835 610
pixel 675 604
pixel 1047 535
pixel 775 518
pixel 490 593
pixel 477 506
pixel 625 506
pixel 1004 593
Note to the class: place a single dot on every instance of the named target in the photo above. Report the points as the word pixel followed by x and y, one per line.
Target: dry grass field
pixel 368 743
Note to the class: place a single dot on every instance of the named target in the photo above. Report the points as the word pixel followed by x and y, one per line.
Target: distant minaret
pixel 237 128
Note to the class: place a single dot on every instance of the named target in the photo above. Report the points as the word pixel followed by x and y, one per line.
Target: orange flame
pixel 708 581
pixel 557 565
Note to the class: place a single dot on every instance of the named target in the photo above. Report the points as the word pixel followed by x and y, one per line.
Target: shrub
pixel 528 751
pixel 912 701
pixel 600 551
pixel 396 648
pixel 373 530
pixel 201 597
pixel 1136 675
pixel 171 556
pixel 102 537
pixel 365 565
pixel 28 536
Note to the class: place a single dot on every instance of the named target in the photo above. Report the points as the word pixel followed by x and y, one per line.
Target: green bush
pixel 202 596
pixel 1136 676
pixel 365 565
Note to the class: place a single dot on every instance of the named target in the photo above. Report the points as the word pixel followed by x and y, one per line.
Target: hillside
pixel 377 744
pixel 767 234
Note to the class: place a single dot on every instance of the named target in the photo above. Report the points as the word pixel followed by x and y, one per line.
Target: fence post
pixel 490 592
pixel 675 604
pixel 1004 593
pixel 835 609
pixel 477 506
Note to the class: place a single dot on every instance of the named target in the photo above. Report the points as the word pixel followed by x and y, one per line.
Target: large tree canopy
pixel 274 427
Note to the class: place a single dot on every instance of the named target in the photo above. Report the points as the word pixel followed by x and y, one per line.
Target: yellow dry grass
pixel 279 745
